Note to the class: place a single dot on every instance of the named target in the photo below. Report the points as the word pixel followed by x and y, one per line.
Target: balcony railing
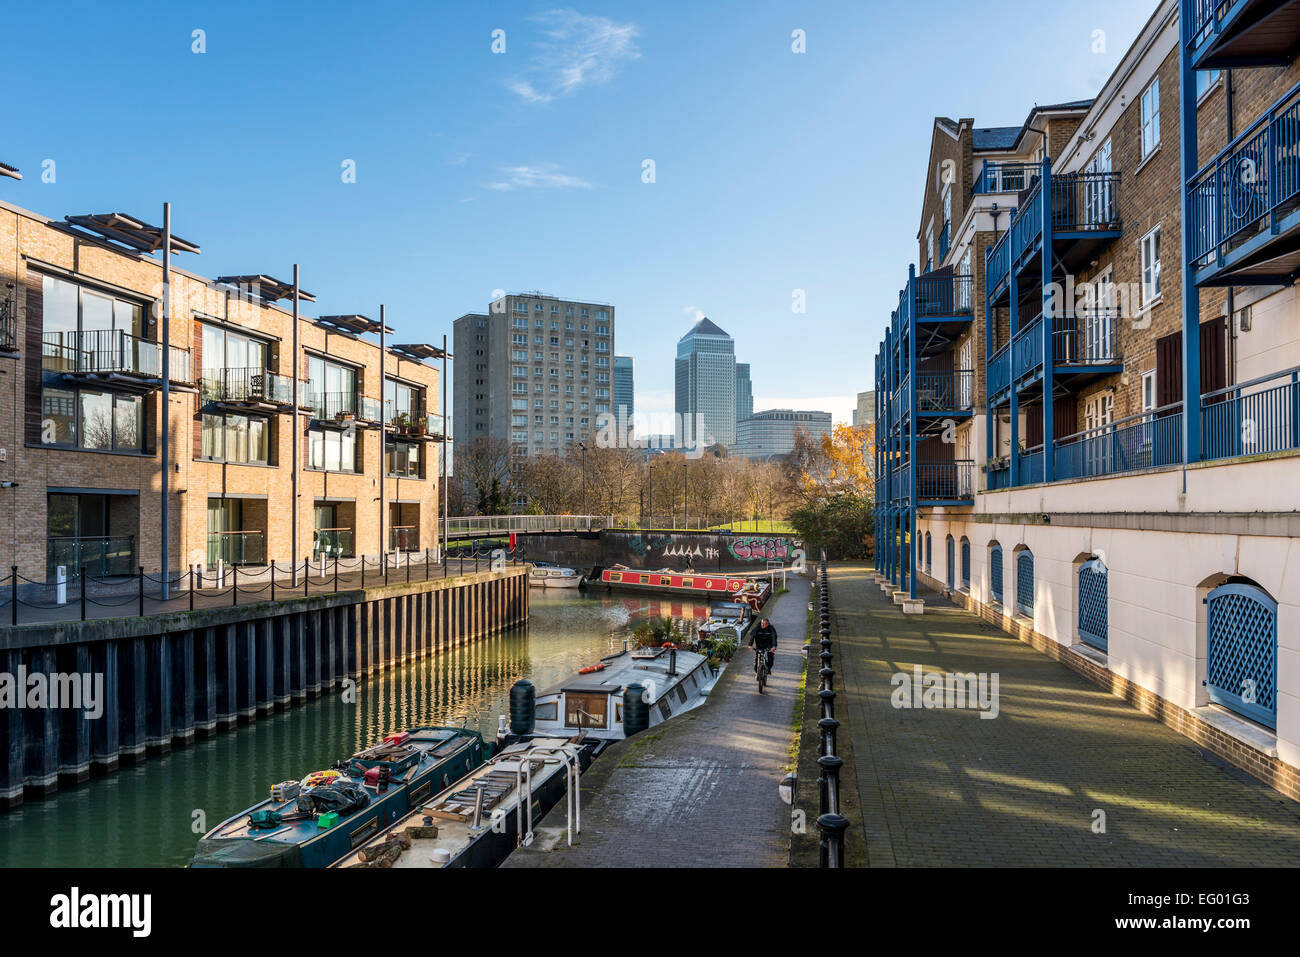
pixel 946 481
pixel 999 476
pixel 102 557
pixel 249 385
pixel 1206 16
pixel 1031 466
pixel 8 326
pixel 1248 186
pixel 332 543
pixel 939 296
pixel 1252 418
pixel 333 405
pixel 1087 339
pixel 1027 350
pixel 945 391
pixel 1144 441
pixel 404 538
pixel 1005 177
pixel 945 239
pixel 1081 202
pixel 1027 225
pixel 999 371
pixel 997 265
pixel 237 548
pixel 110 350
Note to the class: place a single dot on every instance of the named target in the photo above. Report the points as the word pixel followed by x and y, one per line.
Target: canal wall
pixel 165 679
pixel 704 551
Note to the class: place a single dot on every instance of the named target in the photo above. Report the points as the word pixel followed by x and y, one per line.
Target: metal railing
pixel 1243 190
pixel 1148 440
pixel 999 476
pixel 998 371
pixel 1081 202
pixel 504 524
pixel 404 538
pixel 830 822
pixel 945 239
pixel 1027 226
pixel 1027 350
pixel 1252 418
pixel 946 481
pixel 108 556
pixel 1206 15
pixel 1087 339
pixel 939 296
pixel 8 326
pixel 237 548
pixel 945 391
pixel 1005 177
pixel 997 262
pixel 249 385
pixel 333 405
pixel 110 350
pixel 332 543
pixel 1031 466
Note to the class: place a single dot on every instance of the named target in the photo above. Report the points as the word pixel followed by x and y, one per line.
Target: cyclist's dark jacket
pixel 763 637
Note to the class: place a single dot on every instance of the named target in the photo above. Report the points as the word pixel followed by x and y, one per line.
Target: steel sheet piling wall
pixel 168 679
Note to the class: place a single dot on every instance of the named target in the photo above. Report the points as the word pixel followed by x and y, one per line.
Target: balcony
pixel 1244 205
pixel 1031 466
pixel 1252 418
pixel 1084 216
pixel 998 374
pixel 1005 177
pixel 943 297
pixel 331 543
pixel 1083 348
pixel 946 483
pixel 102 557
pixel 404 538
pixel 339 406
pixel 945 393
pixel 249 387
pixel 997 267
pixel 1027 353
pixel 1222 34
pixel 1144 441
pixel 237 548
pixel 98 353
pixel 8 326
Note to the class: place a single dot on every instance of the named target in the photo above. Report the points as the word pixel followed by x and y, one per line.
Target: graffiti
pixel 751 549
pixel 685 551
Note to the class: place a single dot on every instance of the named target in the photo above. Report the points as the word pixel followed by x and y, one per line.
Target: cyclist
pixel 763 638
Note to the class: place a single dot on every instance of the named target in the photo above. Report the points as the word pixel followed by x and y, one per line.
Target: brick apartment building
pixel 1090 395
pixel 81 409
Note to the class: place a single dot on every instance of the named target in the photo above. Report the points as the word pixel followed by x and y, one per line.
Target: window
pixel 585 710
pixel 403 459
pixel 230 437
pixel 1025 583
pixel 331 386
pixel 965 563
pixel 1151 118
pixel 995 573
pixel 1151 267
pixel 332 450
pixel 1205 79
pixel 90 419
pixel 1149 391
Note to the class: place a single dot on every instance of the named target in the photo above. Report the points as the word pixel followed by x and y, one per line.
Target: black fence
pixel 85 595
pixel 830 822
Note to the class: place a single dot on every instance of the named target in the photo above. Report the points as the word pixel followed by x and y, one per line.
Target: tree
pixel 833 481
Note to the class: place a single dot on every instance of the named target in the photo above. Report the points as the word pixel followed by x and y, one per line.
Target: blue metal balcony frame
pixel 1229 34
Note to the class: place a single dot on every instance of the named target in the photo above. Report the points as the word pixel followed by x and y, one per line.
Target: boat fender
pixel 523 702
pixel 636 709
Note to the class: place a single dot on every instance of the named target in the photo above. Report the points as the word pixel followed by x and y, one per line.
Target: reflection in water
pixel 153 813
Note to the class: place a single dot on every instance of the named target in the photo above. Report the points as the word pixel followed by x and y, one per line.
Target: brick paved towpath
pixel 946 787
pixel 699 790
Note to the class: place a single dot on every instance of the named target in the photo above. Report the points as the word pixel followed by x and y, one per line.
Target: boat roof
pixel 627 667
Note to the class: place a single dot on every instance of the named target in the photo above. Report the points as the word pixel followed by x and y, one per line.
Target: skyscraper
pixel 536 372
pixel 744 394
pixel 706 385
pixel 623 388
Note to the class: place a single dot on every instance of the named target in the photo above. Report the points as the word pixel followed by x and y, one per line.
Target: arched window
pixel 1025 583
pixel 995 572
pixel 1094 625
pixel 965 563
pixel 929 554
pixel 951 566
pixel 1241 652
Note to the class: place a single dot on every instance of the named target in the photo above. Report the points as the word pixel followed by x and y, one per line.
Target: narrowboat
pixel 617 697
pixel 329 813
pixel 479 820
pixel 753 591
pixel 553 576
pixel 726 619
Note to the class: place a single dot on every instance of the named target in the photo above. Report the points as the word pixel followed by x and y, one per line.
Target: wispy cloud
pixel 536 177
pixel 577 51
pixel 695 312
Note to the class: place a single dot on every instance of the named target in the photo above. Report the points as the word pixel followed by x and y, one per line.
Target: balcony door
pixel 1099 320
pixel 1098 193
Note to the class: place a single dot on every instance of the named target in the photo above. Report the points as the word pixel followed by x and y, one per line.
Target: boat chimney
pixel 672 662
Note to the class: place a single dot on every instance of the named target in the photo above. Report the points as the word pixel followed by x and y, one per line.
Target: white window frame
pixel 1151 286
pixel 1150 106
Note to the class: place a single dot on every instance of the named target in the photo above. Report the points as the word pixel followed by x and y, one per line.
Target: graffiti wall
pixel 681 550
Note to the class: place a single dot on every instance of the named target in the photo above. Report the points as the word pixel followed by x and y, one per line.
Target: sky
pixel 504 146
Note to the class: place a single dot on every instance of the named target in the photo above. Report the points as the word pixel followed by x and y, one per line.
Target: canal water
pixel 152 814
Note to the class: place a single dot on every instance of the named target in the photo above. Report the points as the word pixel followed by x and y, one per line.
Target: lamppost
pixel 685 523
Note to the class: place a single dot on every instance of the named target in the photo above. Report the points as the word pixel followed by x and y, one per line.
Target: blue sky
pixel 478 171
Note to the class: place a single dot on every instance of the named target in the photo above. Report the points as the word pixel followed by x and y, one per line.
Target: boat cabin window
pixel 585 710
pixel 681 693
pixel 665 579
pixel 688 582
pixel 547 711
pixel 616 576
pixel 618 712
pixel 645 580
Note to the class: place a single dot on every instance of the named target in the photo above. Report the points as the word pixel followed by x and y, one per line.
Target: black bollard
pixel 828 703
pixel 832 827
pixel 828 727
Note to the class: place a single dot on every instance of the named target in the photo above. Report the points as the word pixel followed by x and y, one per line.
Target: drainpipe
pixel 166 393
pixel 1230 127
pixel 383 438
pixel 297 438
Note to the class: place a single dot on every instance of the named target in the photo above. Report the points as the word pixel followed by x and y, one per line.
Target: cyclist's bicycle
pixel 762 666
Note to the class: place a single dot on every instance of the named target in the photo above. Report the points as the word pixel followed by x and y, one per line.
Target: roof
pixel 706 327
pixel 267 288
pixel 995 138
